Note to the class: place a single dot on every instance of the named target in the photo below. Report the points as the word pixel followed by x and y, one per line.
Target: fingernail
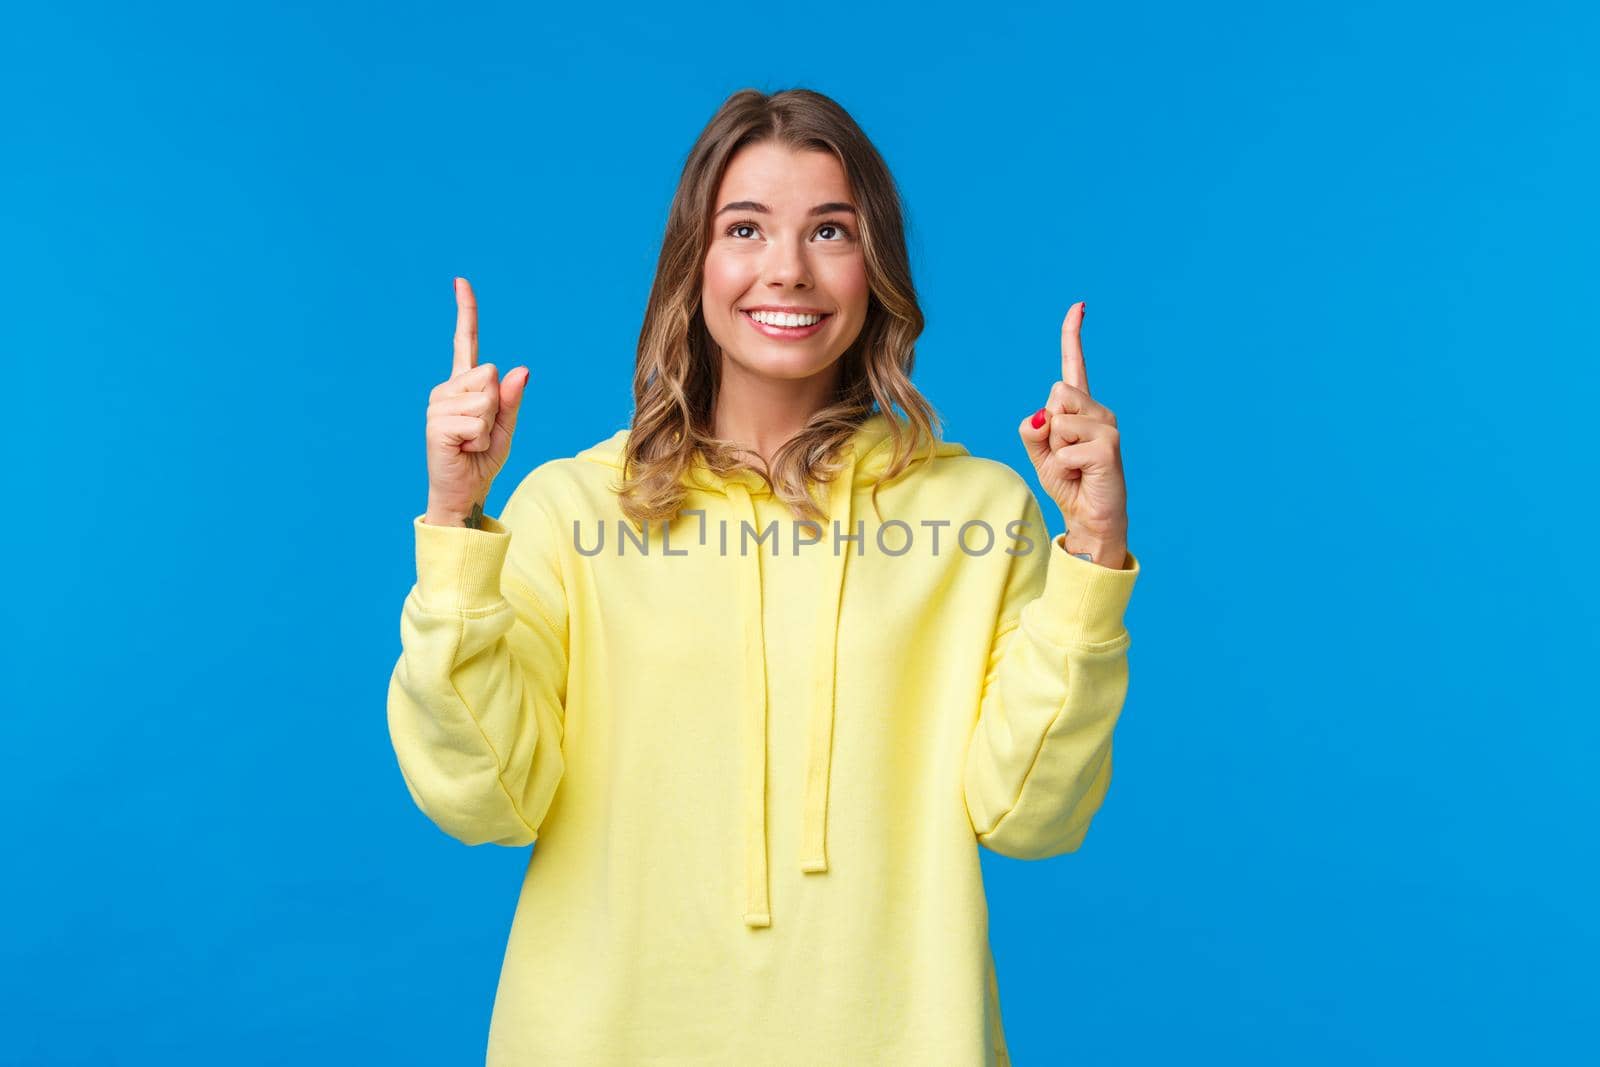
pixel 1038 418
pixel 1083 310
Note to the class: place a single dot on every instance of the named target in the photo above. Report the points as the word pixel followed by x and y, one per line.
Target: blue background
pixel 1342 264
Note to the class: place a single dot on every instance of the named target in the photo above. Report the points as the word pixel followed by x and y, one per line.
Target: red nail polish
pixel 1083 310
pixel 1038 418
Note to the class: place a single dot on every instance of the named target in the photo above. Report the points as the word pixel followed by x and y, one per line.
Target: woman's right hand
pixel 471 417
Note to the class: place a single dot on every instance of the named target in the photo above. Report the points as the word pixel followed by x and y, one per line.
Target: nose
pixel 786 265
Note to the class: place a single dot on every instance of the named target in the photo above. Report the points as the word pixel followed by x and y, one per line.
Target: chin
pixel 785 366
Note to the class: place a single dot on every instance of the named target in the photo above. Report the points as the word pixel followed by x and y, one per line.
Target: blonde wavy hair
pixel 677 371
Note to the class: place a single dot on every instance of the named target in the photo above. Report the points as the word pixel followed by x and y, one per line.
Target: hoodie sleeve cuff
pixel 1082 603
pixel 458 568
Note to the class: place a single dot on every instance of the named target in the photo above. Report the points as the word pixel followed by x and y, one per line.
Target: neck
pixel 760 413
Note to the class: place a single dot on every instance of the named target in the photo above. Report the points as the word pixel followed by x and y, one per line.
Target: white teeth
pixel 775 318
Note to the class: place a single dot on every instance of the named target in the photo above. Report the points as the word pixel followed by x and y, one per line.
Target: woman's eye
pixel 733 231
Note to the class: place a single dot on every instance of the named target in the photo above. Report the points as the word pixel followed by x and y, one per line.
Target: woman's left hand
pixel 1076 449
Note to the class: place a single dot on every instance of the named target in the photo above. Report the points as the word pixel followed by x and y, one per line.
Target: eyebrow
pixel 752 205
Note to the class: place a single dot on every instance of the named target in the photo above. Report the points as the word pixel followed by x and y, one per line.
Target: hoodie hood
pixel 866 457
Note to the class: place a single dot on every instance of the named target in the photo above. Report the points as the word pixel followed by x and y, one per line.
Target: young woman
pixel 762 671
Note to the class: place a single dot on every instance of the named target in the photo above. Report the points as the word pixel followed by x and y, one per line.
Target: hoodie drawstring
pixel 753 742
pixel 819 734
pixel 819 755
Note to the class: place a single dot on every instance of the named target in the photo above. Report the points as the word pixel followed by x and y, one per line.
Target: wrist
pixel 1104 549
pixel 439 516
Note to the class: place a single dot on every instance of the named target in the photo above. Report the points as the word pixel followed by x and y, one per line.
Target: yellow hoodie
pixel 758 781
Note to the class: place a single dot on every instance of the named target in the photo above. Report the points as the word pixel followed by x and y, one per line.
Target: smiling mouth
pixel 785 332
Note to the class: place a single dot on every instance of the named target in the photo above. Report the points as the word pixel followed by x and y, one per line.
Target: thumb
pixel 1036 439
pixel 512 390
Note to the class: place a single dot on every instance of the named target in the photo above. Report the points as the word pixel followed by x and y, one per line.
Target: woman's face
pixel 784 235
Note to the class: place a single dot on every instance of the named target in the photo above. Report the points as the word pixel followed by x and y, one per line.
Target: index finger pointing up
pixel 1073 370
pixel 466 328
